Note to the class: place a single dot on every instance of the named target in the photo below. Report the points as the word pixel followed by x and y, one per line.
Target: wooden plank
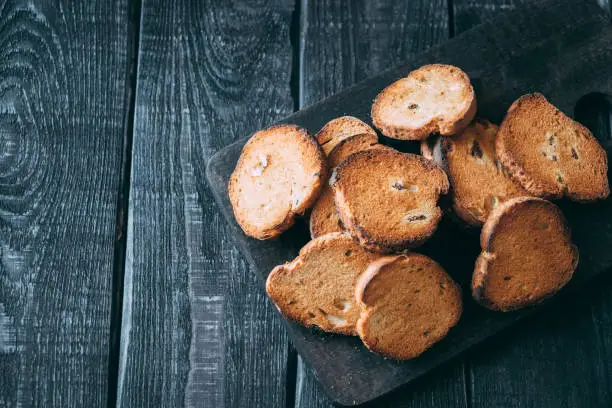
pixel 197 328
pixel 343 42
pixel 525 50
pixel 64 92
pixel 556 358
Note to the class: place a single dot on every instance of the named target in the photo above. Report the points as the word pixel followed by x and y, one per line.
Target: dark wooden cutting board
pixel 560 48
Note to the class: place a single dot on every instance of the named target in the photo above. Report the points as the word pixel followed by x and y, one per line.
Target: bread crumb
pixel 262 163
pixel 343 305
pixel 336 320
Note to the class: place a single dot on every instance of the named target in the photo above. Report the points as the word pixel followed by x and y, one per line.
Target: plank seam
pixel 119 254
pixel 295 37
pixel 601 344
pixel 451 19
pixel 599 335
pixel 467 381
pixel 292 377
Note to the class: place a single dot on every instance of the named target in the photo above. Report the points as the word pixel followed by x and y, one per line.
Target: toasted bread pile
pixel 371 205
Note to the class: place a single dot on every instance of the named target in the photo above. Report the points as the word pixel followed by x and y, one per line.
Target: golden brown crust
pixel 388 200
pixel 479 182
pixel 317 288
pixel 350 145
pixel 338 129
pixel 279 175
pixel 324 218
pixel 550 154
pixel 431 99
pixel 527 255
pixel 408 303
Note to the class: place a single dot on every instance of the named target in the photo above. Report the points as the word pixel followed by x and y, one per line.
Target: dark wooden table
pixel 119 285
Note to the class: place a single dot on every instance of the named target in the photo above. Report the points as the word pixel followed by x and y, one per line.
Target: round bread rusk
pixel 338 129
pixel 527 255
pixel 550 154
pixel 324 217
pixel 387 199
pixel 479 182
pixel 318 287
pixel 280 174
pixel 408 303
pixel 434 98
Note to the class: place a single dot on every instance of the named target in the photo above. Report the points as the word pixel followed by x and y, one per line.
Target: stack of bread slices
pixel 371 205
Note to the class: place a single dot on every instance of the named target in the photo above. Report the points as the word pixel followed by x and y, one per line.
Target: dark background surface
pixel 119 284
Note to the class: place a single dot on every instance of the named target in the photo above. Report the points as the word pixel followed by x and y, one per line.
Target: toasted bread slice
pixel 550 154
pixel 479 182
pixel 527 255
pixel 387 199
pixel 408 303
pixel 318 287
pixel 336 130
pixel 324 217
pixel 279 175
pixel 350 145
pixel 432 99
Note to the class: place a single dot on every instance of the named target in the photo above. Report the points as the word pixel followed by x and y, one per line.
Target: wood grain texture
pixel 525 50
pixel 344 42
pixel 470 13
pixel 63 96
pixel 197 328
pixel 558 357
